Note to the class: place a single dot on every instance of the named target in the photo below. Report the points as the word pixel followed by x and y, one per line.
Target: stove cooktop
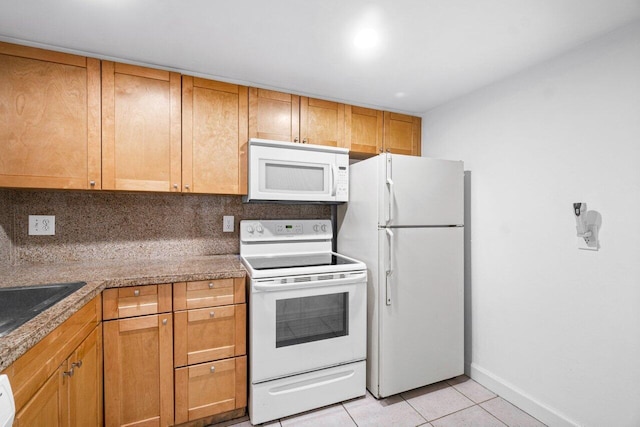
pixel 298 264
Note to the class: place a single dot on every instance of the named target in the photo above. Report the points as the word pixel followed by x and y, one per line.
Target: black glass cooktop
pixel 293 261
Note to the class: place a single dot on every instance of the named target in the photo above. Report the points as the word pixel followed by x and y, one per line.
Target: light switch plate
pixel 42 225
pixel 227 223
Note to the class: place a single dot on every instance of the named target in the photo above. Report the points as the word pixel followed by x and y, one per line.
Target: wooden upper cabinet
pixel 321 122
pixel 214 136
pixel 141 147
pixel 402 134
pixel 274 115
pixel 50 119
pixel 363 131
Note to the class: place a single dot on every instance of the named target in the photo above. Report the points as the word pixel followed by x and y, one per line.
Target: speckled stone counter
pixel 100 275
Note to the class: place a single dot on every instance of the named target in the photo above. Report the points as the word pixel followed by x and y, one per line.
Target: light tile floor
pixel 459 402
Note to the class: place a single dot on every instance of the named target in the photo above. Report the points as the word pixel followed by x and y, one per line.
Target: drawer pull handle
pixel 210 285
pixel 212 369
pixel 136 293
pixel 164 321
pixel 212 314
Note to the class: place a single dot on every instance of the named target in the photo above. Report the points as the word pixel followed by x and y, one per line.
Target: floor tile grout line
pixel 348 413
pixel 493 415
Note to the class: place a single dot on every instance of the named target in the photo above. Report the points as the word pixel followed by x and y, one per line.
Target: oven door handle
pixel 354 279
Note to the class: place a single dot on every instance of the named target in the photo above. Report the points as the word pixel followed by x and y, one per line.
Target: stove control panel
pixel 273 230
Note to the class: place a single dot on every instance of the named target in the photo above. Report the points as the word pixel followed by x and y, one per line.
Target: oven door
pixel 304 323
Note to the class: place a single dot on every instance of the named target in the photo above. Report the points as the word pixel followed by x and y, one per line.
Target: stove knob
pixel 324 227
pixel 250 229
pixel 316 228
pixel 259 229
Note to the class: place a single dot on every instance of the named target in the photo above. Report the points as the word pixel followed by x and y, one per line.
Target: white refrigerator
pixel 404 219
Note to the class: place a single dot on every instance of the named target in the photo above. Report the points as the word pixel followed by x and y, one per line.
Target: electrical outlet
pixel 227 223
pixel 42 225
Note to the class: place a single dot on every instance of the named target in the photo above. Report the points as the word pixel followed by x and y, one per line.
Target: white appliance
pixel 307 318
pixel 405 220
pixel 294 172
pixel 7 404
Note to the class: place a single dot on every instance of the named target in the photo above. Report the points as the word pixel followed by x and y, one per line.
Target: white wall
pixel 553 328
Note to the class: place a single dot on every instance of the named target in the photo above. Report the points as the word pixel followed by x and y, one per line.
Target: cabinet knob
pixel 68 373
pixel 186 186
pixel 136 293
pixel 388 150
pixel 296 139
pixel 175 186
pixel 304 141
pixel 92 183
pixel 212 314
pixel 210 285
pixel 212 369
pixel 77 364
pixel 164 321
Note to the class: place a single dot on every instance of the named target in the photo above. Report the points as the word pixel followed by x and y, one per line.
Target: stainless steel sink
pixel 19 305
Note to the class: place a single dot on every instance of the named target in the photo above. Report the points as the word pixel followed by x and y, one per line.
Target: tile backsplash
pixel 108 225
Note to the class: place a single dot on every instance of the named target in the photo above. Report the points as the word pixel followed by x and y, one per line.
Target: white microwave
pixel 294 172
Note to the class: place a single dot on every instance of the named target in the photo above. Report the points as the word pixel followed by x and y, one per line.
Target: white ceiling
pixel 429 51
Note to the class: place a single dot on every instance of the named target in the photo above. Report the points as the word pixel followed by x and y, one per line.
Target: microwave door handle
pixel 389 268
pixel 334 181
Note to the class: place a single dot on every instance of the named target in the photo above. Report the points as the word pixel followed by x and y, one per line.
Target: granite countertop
pixel 100 275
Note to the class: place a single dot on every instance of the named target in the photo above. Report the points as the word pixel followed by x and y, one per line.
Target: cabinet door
pixel 363 131
pixel 321 122
pixel 138 371
pixel 208 334
pixel 85 386
pixel 214 136
pixel 402 134
pixel 210 388
pixel 274 115
pixel 50 120
pixel 48 407
pixel 140 128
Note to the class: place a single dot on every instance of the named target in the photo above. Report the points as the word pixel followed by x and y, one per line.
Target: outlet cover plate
pixel 227 224
pixel 42 225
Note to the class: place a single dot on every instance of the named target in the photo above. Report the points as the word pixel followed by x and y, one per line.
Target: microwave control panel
pixel 342 183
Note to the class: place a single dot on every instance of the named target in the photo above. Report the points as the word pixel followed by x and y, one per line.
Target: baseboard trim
pixel 548 415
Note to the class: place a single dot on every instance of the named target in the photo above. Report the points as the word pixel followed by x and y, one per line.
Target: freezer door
pixel 420 191
pixel 421 336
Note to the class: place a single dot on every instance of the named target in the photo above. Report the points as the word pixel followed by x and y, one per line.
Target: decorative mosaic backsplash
pixel 103 225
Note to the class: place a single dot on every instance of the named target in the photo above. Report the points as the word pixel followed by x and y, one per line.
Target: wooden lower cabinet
pixel 138 371
pixel 203 338
pixel 210 388
pixel 48 407
pixel 72 396
pixel 85 384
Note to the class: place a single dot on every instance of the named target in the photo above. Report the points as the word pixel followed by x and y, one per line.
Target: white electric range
pixel 307 318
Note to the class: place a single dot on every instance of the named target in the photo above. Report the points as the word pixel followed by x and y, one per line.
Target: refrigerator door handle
pixel 389 268
pixel 389 213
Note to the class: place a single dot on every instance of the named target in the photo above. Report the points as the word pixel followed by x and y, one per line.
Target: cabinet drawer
pixel 208 293
pixel 210 388
pixel 136 301
pixel 208 334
